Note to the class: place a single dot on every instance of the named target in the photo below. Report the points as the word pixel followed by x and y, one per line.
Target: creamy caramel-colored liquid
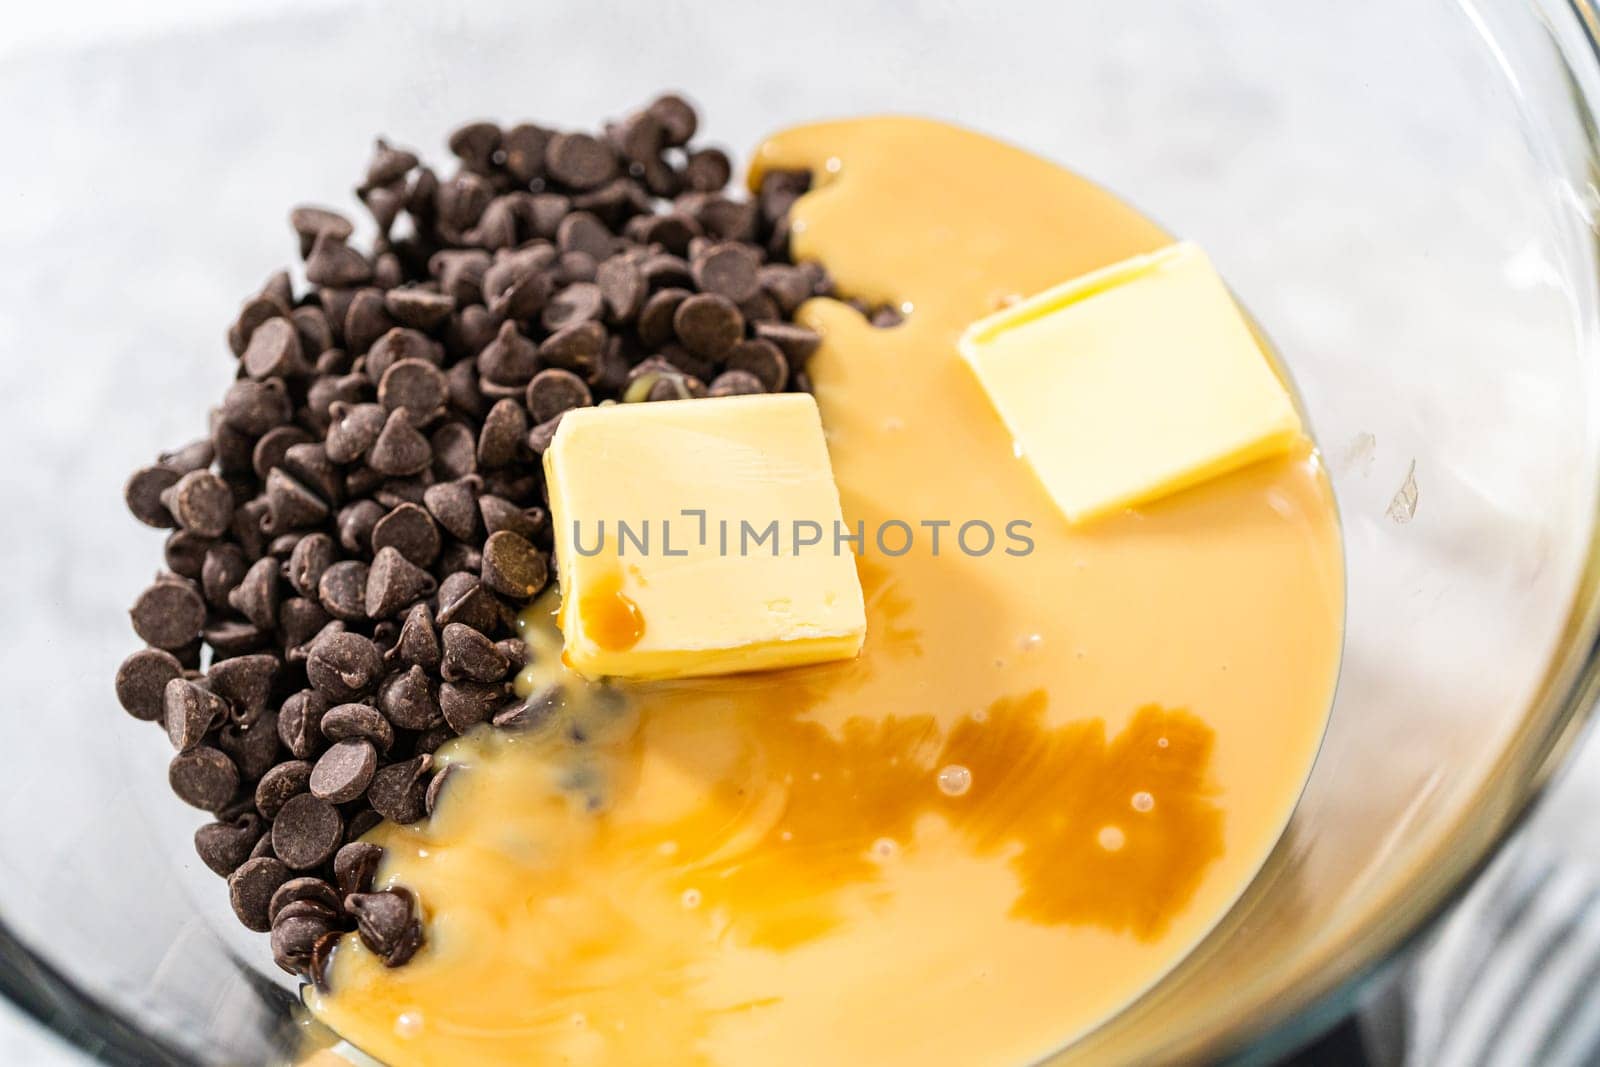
pixel 1043 780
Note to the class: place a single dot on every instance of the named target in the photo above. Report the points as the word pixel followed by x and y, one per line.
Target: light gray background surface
pixel 1564 826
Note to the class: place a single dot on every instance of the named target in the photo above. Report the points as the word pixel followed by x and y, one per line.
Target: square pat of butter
pixel 1132 382
pixel 698 537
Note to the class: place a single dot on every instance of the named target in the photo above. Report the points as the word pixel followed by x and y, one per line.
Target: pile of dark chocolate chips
pixel 355 536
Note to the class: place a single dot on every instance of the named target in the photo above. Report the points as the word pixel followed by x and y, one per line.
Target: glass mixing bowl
pixel 1399 190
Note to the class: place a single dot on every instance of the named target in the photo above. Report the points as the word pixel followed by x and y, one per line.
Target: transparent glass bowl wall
pixel 1399 190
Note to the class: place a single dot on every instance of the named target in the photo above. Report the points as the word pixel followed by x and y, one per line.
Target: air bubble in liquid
pixel 1143 801
pixel 408 1024
pixel 1112 838
pixel 954 780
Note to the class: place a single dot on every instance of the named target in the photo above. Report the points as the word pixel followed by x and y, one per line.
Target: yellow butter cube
pixel 1132 382
pixel 698 537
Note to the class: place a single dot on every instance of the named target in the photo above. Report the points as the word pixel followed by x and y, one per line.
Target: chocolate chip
pixel 351 721
pixel 510 359
pixel 762 358
pixel 394 582
pixel 335 264
pixel 532 524
pixel 408 700
pixel 400 449
pixel 245 683
pixel 418 308
pixel 418 643
pixel 313 330
pixel 788 286
pixel 386 923
pixel 730 220
pixel 455 450
pixel 356 523
pixel 664 271
pixel 282 782
pixel 677 118
pixel 454 505
pixel 201 503
pixel 475 144
pixel 622 287
pixel 580 301
pixel 532 712
pixel 797 343
pixel 579 161
pixel 322 960
pixel 516 652
pixel 707 170
pixel 729 270
pixel 251 744
pixel 256 596
pixel 411 531
pixel 572 268
pixel 760 308
pixel 312 556
pixel 655 321
pixel 524 147
pixel 300 723
pixel 355 865
pixel 274 351
pixel 300 652
pixel 431 739
pixel 344 771
pixel 614 203
pixel 294 938
pixel 500 441
pixel 461 201
pixel 203 777
pixel 322 897
pixel 190 711
pixel 273 448
pixel 574 348
pixel 185 554
pixel 343 666
pixel 735 383
pixel 498 225
pixel 250 890
pixel 540 436
pixel 708 325
pixel 142 682
pixel 517 285
pixel 581 231
pixel 232 638
pixel 399 791
pixel 466 704
pixel 416 387
pixel 143 493
pixel 436 787
pixel 307 832
pixel 275 299
pixel 513 567
pixel 310 221
pixel 343 590
pixel 225 845
pixel 290 505
pixel 397 346
pixel 299 620
pixel 365 323
pixel 469 656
